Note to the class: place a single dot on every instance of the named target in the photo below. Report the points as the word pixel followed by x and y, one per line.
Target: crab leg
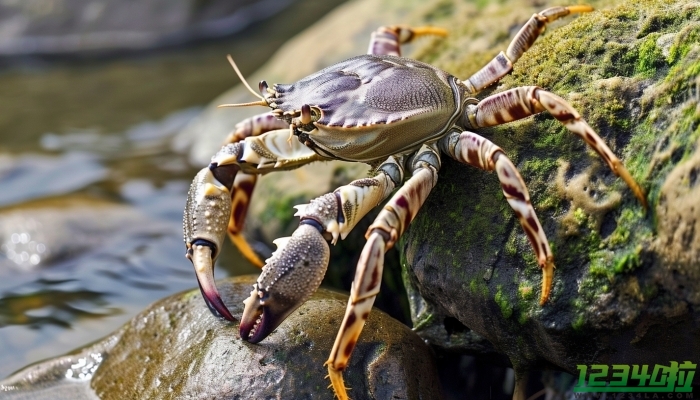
pixel 208 208
pixel 241 194
pixel 472 149
pixel 296 269
pixel 387 40
pixel 502 64
pixel 244 184
pixel 381 236
pixel 255 126
pixel 524 101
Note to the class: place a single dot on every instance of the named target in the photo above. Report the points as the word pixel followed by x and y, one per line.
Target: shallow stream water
pixel 91 194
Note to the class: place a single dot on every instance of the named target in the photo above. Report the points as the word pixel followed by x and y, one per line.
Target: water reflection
pixel 47 304
pixel 91 192
pixel 88 238
pixel 35 175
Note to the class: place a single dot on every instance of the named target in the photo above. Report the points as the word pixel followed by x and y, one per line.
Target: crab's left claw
pixel 205 221
pixel 288 279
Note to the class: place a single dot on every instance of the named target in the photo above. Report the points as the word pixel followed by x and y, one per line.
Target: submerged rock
pixel 177 349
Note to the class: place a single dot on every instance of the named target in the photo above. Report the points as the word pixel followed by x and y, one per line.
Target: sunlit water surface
pixel 91 194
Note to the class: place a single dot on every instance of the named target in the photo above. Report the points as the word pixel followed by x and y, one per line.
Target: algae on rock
pixel 623 275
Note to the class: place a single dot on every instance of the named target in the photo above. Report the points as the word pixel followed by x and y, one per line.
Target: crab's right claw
pixel 205 221
pixel 289 278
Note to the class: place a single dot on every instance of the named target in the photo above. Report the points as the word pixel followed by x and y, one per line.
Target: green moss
pixel 188 295
pixel 510 248
pixel 628 262
pixel 649 57
pixel 578 322
pixel 281 210
pixel 630 224
pixel 473 286
pixel 440 10
pixel 684 42
pixel 618 60
pixel 526 291
pixel 600 265
pixel 538 173
pixel 656 23
pixel 580 217
pixel 523 317
pixel 502 301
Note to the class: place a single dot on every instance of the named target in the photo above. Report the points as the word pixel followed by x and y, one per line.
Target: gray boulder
pixel 177 349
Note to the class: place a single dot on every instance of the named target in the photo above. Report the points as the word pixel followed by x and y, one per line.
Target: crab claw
pixel 205 221
pixel 288 279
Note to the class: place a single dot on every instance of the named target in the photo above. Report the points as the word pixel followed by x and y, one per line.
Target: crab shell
pixel 364 109
pixel 371 107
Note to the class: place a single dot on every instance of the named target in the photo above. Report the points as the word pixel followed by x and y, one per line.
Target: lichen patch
pixel 678 213
pixel 588 195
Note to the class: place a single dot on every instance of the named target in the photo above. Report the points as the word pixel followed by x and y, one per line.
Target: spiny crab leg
pixel 296 269
pixel 208 208
pixel 525 101
pixel 389 225
pixel 502 64
pixel 472 149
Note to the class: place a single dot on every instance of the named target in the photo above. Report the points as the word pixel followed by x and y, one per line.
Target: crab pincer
pixel 205 221
pixel 288 279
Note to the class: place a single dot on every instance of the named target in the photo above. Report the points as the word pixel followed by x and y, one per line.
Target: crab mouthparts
pixel 201 257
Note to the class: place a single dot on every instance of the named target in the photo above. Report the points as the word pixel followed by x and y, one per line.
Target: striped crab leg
pixel 296 269
pixel 387 40
pixel 244 184
pixel 525 101
pixel 389 225
pixel 472 149
pixel 502 64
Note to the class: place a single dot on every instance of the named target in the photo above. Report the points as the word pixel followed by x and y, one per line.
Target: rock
pixel 626 285
pixel 62 27
pixel 177 349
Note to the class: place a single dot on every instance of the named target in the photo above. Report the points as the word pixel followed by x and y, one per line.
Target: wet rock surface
pixel 625 287
pixel 177 349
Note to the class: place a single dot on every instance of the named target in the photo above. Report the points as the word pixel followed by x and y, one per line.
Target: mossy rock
pixel 626 283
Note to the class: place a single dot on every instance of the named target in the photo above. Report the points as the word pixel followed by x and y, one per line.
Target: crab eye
pixel 263 87
pixel 305 114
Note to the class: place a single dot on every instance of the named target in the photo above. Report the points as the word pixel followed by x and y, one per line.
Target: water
pixel 91 194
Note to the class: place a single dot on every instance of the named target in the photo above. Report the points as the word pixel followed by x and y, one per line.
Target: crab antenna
pixel 238 72
pixel 252 103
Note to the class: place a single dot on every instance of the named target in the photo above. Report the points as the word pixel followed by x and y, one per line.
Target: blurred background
pixel 92 94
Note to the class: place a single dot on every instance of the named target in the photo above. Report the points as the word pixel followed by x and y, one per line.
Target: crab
pixel 396 114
